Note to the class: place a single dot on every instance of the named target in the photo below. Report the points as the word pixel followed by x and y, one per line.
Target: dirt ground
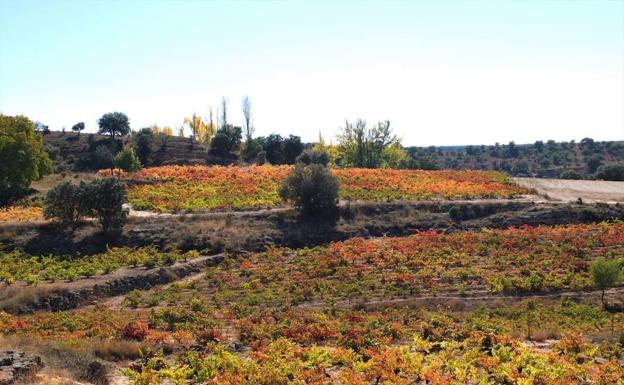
pixel 590 191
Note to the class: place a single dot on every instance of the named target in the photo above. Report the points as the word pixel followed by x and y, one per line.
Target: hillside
pixel 570 160
pixel 71 151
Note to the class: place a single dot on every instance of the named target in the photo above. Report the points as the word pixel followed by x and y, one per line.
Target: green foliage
pixel 394 156
pixel 114 123
pixel 127 160
pixel 605 274
pixel 19 266
pixel 78 127
pixel 143 144
pixel 106 197
pixel 611 172
pixel 22 158
pixel 570 174
pixel 364 147
pixel 312 188
pixel 68 203
pixel 291 148
pixel 226 142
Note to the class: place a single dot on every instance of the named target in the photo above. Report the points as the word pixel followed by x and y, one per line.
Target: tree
pixel 22 158
pixel 363 147
pixel 127 160
pixel 394 156
pixel 604 275
pixel 114 123
pixel 105 199
pixel 291 148
pixel 202 131
pixel 272 145
pixel 143 143
pixel 224 109
pixel 78 127
pixel 248 127
pixel 593 162
pixel 611 172
pixel 226 141
pixel 66 202
pixel 313 190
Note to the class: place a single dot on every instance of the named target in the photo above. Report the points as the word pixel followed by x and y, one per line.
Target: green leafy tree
pixel 291 148
pixel 22 158
pixel 361 146
pixel 66 202
pixel 114 123
pixel 105 201
pixel 144 145
pixel 226 142
pixel 313 189
pixel 394 156
pixel 604 275
pixel 78 127
pixel 127 160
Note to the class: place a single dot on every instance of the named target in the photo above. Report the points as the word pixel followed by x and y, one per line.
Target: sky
pixel 443 72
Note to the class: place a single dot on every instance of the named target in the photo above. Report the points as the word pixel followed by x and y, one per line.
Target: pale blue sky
pixel 443 72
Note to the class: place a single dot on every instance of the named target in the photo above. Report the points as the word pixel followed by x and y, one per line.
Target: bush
pixel 611 172
pixel 127 160
pixel 313 189
pixel 68 203
pixel 105 199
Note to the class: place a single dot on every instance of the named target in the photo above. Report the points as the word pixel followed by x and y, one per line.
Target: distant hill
pixel 82 152
pixel 542 159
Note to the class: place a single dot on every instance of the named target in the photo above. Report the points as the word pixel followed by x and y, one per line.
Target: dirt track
pixel 590 191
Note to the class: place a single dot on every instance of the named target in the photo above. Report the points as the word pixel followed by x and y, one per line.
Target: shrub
pixel 66 202
pixel 127 160
pixel 312 189
pixel 105 199
pixel 611 172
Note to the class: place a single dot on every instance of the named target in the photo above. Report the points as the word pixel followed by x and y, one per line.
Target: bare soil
pixel 566 190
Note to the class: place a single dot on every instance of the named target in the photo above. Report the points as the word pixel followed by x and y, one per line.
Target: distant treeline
pixel 570 160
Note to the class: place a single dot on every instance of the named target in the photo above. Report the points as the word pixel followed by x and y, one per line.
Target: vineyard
pixel 19 266
pixel 324 315
pixel 201 187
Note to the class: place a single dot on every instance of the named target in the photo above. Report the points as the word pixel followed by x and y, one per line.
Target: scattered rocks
pixel 18 367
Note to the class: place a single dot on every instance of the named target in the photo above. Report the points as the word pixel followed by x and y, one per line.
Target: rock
pixel 18 366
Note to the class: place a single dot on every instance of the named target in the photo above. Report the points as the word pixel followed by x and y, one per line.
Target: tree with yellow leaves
pixel 331 150
pixel 202 131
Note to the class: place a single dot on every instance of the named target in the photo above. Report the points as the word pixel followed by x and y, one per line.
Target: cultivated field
pixel 202 187
pixel 425 278
pixel 497 305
